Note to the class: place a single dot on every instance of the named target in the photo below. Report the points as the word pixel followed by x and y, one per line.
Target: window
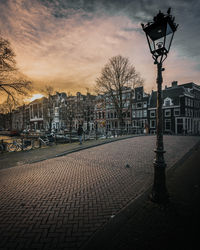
pixel 139 113
pixel 143 123
pixel 152 123
pixel 127 103
pixel 145 113
pixel 167 102
pixel 134 123
pixel 186 111
pixel 176 112
pixel 167 124
pixel 180 121
pixel 144 104
pixel 40 110
pixel 31 111
pixel 133 105
pixel 134 114
pixel 185 101
pixel 152 113
pixel 167 112
pixel 139 105
pixel 133 96
pixel 139 96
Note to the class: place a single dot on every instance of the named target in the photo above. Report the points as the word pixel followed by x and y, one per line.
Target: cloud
pixel 66 43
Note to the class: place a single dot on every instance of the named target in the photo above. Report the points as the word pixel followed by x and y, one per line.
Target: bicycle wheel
pixel 12 147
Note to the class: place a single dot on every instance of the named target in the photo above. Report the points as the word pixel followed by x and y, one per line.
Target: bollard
pixel 32 143
pixel 22 142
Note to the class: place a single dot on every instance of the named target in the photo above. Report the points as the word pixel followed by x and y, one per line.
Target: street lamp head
pixel 159 35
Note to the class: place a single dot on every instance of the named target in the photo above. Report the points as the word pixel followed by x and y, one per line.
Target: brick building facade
pixel 181 109
pixel 181 112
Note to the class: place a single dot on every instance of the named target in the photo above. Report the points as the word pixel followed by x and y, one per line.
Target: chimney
pixel 174 84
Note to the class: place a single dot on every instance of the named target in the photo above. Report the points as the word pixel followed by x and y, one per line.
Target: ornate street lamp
pixel 159 35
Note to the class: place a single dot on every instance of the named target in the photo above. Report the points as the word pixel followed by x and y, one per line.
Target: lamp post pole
pixel 159 192
pixel 157 33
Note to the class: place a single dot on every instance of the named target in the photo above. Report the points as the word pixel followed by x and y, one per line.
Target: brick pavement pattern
pixel 60 203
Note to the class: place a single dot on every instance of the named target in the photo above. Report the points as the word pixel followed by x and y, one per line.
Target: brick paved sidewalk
pixel 60 203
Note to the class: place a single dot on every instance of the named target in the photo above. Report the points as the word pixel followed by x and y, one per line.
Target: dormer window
pixel 167 102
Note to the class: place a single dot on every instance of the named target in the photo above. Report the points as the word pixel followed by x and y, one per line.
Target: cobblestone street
pixel 60 203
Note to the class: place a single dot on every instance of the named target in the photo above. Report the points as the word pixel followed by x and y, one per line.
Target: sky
pixel 66 43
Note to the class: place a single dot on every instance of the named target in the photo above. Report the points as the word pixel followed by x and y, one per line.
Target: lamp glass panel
pixel 152 44
pixel 169 29
pixel 168 41
pixel 157 32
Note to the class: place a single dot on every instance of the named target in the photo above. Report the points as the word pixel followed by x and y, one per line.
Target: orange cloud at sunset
pixel 69 51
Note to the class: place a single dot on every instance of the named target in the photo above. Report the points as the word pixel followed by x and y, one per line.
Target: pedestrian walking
pixel 80 133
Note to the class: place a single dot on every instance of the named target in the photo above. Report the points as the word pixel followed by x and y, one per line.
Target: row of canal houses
pixel 181 112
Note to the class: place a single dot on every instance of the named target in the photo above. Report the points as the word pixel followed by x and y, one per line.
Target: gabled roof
pixel 172 93
pixel 191 85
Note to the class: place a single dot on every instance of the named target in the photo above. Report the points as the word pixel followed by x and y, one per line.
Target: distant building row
pixel 181 112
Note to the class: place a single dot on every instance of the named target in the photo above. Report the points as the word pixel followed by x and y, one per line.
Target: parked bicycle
pixel 17 146
pixel 46 140
pixel 43 141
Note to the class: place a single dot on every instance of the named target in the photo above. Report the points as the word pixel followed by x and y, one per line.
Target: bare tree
pixel 12 82
pixel 117 76
pixel 7 108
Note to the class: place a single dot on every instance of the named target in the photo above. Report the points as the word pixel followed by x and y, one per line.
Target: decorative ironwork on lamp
pixel 159 34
